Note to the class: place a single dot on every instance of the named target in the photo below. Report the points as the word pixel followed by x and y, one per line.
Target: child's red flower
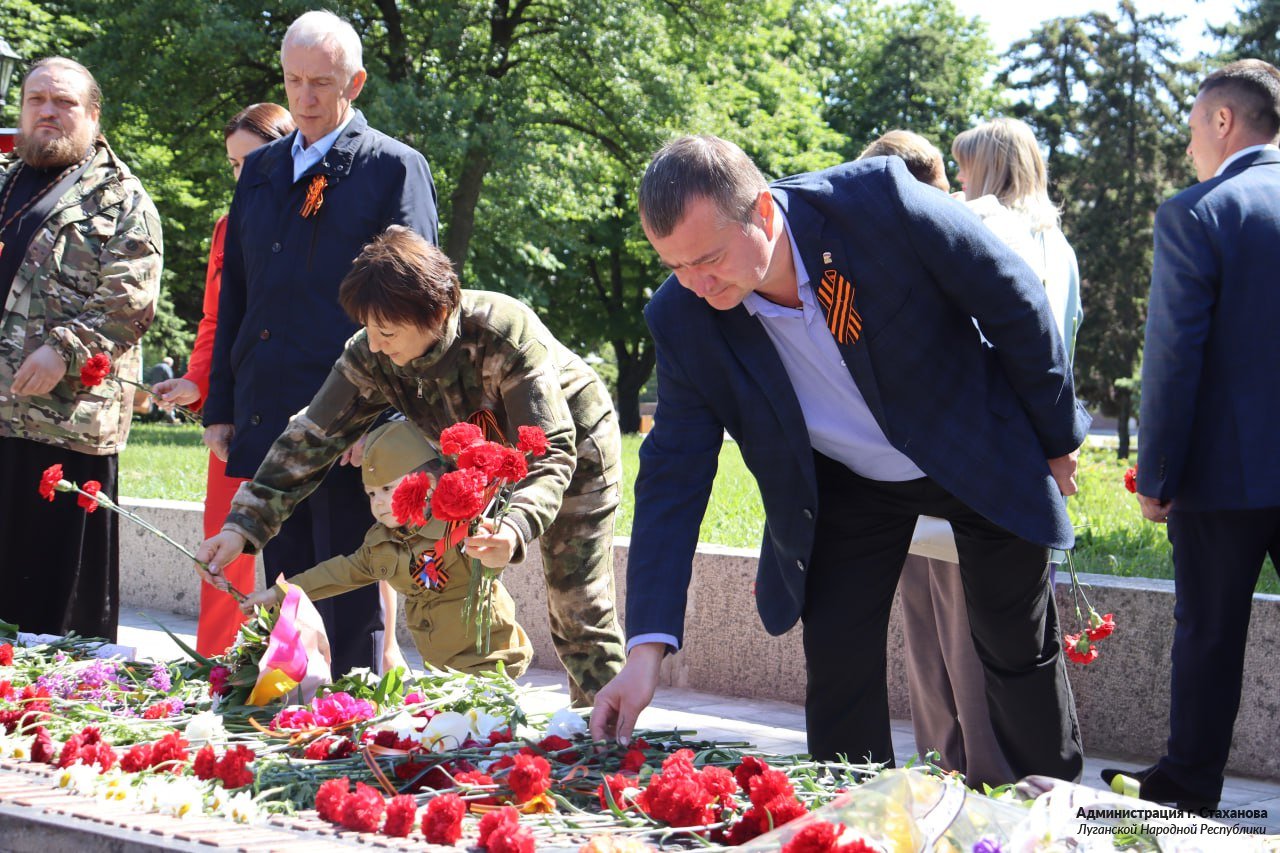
pixel 532 440
pixel 513 467
pixel 409 501
pixel 486 456
pixel 1079 649
pixel 206 763
pixel 362 809
pixel 87 502
pixel 442 821
pixel 329 798
pixel 1101 627
pixel 6 657
pixel 49 481
pixel 1131 479
pixel 401 812
pixel 530 776
pixel 95 370
pixel 459 495
pixel 457 438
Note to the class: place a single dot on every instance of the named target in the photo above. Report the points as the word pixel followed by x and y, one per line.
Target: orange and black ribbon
pixel 315 196
pixel 835 295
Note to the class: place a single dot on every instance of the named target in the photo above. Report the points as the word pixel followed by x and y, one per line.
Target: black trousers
pixel 332 522
pixel 59 565
pixel 863 532
pixel 1217 558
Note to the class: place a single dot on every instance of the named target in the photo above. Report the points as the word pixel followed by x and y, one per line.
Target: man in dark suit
pixel 1207 461
pixel 825 323
pixel 304 207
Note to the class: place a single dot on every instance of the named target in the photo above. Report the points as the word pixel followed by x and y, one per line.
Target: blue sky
pixel 1010 20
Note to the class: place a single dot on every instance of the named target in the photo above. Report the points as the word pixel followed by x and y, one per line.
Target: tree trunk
pixel 1124 402
pixel 633 372
pixel 463 202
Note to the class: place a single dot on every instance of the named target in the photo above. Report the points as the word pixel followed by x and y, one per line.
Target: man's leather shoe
pixel 1157 787
pixel 1110 773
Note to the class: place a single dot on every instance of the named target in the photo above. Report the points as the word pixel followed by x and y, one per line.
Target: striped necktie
pixel 835 295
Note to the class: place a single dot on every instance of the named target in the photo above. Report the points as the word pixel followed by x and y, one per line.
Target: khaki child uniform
pixel 434 594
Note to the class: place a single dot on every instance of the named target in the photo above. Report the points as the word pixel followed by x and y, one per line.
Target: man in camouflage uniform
pixel 440 355
pixel 80 260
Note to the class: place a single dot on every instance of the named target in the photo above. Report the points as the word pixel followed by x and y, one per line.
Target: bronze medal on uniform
pixel 835 295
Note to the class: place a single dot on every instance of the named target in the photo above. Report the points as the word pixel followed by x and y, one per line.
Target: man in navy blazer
pixel 1207 453
pixel 828 324
pixel 303 209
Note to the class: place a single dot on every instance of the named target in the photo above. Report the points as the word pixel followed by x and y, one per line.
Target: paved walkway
pixel 776 727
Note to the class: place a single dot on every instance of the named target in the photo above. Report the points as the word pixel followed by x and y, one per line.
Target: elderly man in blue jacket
pixel 304 207
pixel 827 323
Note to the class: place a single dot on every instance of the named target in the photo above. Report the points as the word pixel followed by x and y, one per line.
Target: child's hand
pixel 493 548
pixel 261 598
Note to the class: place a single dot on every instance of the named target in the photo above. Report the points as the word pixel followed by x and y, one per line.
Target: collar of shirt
pixel 1242 152
pixel 304 158
pixel 757 304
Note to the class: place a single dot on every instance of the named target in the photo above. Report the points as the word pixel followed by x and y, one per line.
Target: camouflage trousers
pixel 577 560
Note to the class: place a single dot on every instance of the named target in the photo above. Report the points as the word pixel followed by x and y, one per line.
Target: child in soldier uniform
pixel 403 556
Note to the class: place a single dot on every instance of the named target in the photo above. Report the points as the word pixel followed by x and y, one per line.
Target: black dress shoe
pixel 1109 773
pixel 1157 787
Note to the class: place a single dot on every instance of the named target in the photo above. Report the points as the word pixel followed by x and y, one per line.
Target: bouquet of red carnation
pixel 1081 647
pixel 484 476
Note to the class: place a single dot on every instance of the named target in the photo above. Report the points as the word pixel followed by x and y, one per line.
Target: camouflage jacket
pixel 495 354
pixel 87 284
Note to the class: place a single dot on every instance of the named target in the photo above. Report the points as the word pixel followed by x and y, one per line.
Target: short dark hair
pixel 921 156
pixel 399 277
pixel 267 121
pixel 694 167
pixel 1251 88
pixel 95 91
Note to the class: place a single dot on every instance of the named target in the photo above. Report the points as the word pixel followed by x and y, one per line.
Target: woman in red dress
pixel 251 128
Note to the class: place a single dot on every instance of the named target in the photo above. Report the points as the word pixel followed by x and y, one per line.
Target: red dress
pixel 219 615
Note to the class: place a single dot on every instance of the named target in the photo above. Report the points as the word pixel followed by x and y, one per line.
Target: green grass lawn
pixel 168 461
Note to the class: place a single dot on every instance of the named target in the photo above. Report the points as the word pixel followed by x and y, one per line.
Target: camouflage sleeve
pixel 124 303
pixel 532 396
pixel 341 411
pixel 336 575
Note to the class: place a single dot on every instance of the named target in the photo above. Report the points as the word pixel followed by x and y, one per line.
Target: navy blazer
pixel 280 327
pixel 980 422
pixel 1210 392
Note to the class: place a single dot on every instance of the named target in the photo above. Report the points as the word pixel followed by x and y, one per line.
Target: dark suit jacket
pixel 280 328
pixel 980 422
pixel 1210 392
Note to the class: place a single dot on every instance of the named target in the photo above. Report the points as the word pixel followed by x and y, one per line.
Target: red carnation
pixel 750 768
pixel 1079 649
pixel 233 767
pixel 530 776
pixel 442 821
pixel 768 786
pixel 409 502
pixel 505 816
pixel 486 456
pixel 170 752
pixel 501 832
pixel 1131 479
pixel 218 680
pixel 459 437
pixel 137 758
pixel 617 787
pixel 49 481
pixel 459 495
pixel 362 809
pixel 6 655
pixel 87 502
pixel 329 798
pixel 42 751
pixel 401 812
pixel 1101 627
pixel 556 744
pixel 818 837
pixel 206 763
pixel 532 440
pixel 513 467
pixel 95 370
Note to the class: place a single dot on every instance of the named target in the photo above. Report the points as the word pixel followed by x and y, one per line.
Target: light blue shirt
pixel 305 158
pixel 839 422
